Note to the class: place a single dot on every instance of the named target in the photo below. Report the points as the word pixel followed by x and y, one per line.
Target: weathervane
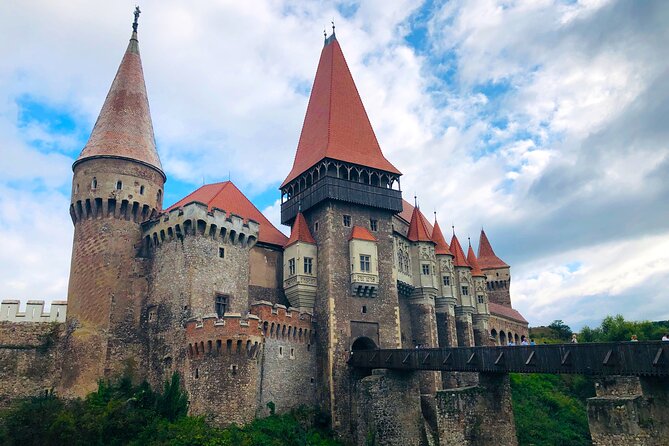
pixel 135 24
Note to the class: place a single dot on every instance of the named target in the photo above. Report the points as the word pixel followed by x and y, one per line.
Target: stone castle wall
pixel 498 324
pixel 34 312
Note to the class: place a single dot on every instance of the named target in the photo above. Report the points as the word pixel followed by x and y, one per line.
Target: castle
pixel 211 289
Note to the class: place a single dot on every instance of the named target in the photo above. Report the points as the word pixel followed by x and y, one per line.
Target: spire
pixel 438 238
pixel 124 128
pixel 419 228
pixel 458 253
pixel 300 232
pixel 471 259
pixel 336 125
pixel 487 258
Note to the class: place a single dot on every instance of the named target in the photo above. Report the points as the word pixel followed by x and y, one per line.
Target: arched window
pixel 119 185
pixel 159 196
pixel 141 190
pixel 94 183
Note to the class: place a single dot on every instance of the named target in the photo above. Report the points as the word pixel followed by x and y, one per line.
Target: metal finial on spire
pixel 333 27
pixel 453 227
pixel 469 239
pixel 135 23
pixel 325 34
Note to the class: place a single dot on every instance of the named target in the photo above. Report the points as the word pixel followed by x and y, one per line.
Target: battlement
pixel 281 322
pixel 96 208
pixel 34 312
pixel 196 219
pixel 230 334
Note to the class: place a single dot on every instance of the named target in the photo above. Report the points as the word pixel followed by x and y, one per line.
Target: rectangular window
pixel 221 252
pixel 481 299
pixel 308 262
pixel 347 220
pixel 221 305
pixel 373 225
pixel 364 263
pixel 426 269
pixel 291 267
pixel 447 280
pixel 465 291
pixel 315 226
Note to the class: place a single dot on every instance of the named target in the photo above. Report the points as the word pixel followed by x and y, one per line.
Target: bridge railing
pixel 650 358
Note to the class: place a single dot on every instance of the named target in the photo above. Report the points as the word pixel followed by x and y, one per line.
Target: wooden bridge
pixel 599 359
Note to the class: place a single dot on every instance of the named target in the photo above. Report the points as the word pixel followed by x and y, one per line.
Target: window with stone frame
pixel 481 299
pixel 308 265
pixel 291 267
pixel 447 280
pixel 373 224
pixel 221 304
pixel 347 220
pixel 465 290
pixel 426 269
pixel 365 261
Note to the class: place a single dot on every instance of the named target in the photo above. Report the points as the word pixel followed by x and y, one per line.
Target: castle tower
pixel 481 315
pixel 498 273
pixel 445 301
pixel 422 300
pixel 300 258
pixel 343 183
pixel 464 290
pixel 117 184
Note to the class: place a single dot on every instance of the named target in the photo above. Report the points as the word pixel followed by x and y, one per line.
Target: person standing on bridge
pixel 634 339
pixel 665 337
pixel 574 340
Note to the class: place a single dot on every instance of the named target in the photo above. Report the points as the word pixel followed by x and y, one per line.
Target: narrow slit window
pixel 141 190
pixel 221 252
pixel 119 185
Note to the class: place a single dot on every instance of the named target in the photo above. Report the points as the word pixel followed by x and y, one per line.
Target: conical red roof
pixel 438 238
pixel 336 124
pixel 419 227
pixel 471 259
pixel 458 253
pixel 300 231
pixel 487 258
pixel 124 128
pixel 226 197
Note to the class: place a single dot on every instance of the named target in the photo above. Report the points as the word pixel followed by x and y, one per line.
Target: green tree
pixel 560 330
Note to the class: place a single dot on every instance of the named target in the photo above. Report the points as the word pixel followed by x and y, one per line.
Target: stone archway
pixel 363 343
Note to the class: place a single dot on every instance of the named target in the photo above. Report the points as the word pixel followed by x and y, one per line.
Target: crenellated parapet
pixel 34 312
pixel 230 335
pixel 196 219
pixel 281 322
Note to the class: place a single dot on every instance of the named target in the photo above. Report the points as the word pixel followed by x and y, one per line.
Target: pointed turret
pixel 124 128
pixel 441 247
pixel 458 253
pixel 419 227
pixel 338 149
pixel 300 232
pixel 473 262
pixel 336 125
pixel 487 258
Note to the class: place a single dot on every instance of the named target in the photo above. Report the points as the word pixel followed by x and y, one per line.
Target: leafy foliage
pixel 560 330
pixel 124 414
pixel 550 410
pixel 616 328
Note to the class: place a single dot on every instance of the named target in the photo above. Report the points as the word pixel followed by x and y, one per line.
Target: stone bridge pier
pixel 630 410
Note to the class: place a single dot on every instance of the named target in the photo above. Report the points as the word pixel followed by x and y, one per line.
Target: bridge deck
pixel 616 358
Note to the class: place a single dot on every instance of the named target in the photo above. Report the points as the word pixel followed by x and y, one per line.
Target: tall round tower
pixel 118 183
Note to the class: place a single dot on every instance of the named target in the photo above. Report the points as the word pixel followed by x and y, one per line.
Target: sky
pixel 546 122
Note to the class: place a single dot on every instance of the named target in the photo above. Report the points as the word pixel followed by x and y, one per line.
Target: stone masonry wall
pixel 30 359
pixel 480 415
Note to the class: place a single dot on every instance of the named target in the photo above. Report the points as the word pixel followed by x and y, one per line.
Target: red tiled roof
pixel 300 232
pixel 227 197
pixel 458 253
pixel 471 259
pixel 124 127
pixel 407 212
pixel 438 238
pixel 487 257
pixel 361 233
pixel 419 227
pixel 336 125
pixel 504 311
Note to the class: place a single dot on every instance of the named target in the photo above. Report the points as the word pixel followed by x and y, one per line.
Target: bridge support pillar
pixel 477 415
pixel 630 410
pixel 388 410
